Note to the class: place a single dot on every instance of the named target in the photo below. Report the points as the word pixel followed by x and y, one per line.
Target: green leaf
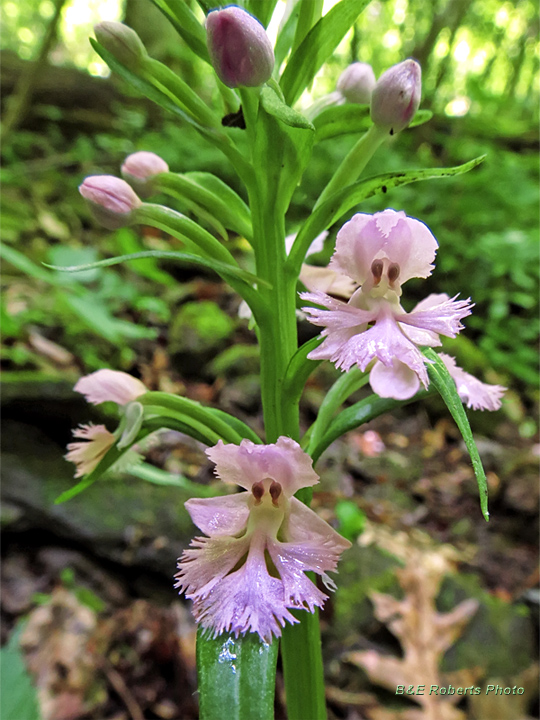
pixel 236 677
pixel 129 244
pixel 421 117
pixel 213 195
pixel 220 268
pixel 341 202
pixel 299 369
pixel 286 36
pixel 143 86
pixel 155 475
pixel 317 46
pixel 19 700
pixel 341 120
pixel 347 383
pixel 218 422
pixel 262 9
pixel 22 263
pixel 275 106
pixel 96 316
pixel 361 412
pixel 446 386
pixel 186 25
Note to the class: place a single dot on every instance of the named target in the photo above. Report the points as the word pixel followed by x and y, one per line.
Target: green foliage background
pixel 480 77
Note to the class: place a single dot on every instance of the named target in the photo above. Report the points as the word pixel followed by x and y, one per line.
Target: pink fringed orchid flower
pixel 251 569
pixel 110 385
pixel 476 394
pixel 380 252
pixel 98 387
pixel 86 455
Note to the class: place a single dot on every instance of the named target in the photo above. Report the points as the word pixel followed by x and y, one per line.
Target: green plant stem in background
pixel 354 162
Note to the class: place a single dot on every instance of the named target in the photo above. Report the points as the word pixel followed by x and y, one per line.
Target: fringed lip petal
pixel 304 525
pixel 443 318
pixel 396 381
pixel 476 394
pixel 110 385
pixel 87 455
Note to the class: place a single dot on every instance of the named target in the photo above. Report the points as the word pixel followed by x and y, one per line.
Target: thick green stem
pixel 353 164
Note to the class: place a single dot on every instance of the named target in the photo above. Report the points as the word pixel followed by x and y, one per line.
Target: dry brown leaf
pixel 56 642
pixel 424 633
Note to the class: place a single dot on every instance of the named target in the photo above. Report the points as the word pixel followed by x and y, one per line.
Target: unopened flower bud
pixel 111 200
pixel 122 42
pixel 356 83
pixel 240 49
pixel 139 169
pixel 396 96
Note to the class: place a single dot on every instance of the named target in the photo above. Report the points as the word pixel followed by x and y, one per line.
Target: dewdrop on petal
pixel 396 96
pixel 139 168
pixel 111 200
pixel 356 83
pixel 240 50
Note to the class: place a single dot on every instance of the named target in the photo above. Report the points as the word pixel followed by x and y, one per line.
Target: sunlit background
pixel 464 47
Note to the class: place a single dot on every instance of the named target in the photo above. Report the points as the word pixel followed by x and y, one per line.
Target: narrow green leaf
pixel 186 25
pixel 341 202
pixel 193 410
pixel 155 475
pixel 241 428
pixel 273 105
pixel 421 117
pixel 143 86
pixel 220 268
pixel 236 677
pixel 19 700
pixel 286 36
pixel 361 412
pixel 310 14
pixel 347 383
pixel 299 369
pixel 262 9
pixel 97 317
pixel 441 378
pixel 341 120
pixel 317 46
pixel 25 265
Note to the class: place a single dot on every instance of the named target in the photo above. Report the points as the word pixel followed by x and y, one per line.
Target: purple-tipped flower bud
pixel 111 200
pixel 356 83
pixel 396 96
pixel 139 169
pixel 122 42
pixel 240 49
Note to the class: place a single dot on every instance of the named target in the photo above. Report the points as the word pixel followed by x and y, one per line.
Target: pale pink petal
pixel 327 281
pixel 443 318
pixel 247 600
pixel 248 463
pixel 216 516
pixel 110 385
pixel 338 315
pixel 396 381
pixel 304 525
pixel 207 561
pixel 476 394
pixel 87 455
pixel 386 235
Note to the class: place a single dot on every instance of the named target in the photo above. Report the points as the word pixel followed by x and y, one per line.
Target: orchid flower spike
pixel 251 569
pixel 380 252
